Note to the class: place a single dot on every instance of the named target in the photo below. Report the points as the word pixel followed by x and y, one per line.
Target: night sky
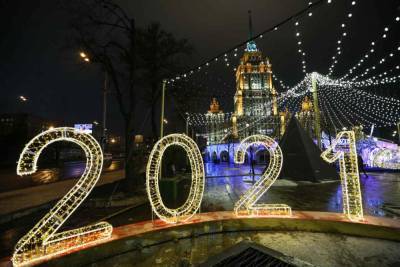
pixel 36 62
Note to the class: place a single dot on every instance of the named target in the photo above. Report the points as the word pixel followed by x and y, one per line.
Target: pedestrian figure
pixel 361 165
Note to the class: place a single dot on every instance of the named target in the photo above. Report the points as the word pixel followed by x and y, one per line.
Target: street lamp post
pixel 187 123
pixel 85 57
pixel 104 134
pixel 162 108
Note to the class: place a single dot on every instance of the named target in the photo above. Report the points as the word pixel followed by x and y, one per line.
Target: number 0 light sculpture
pixel 247 202
pixel 344 149
pixel 43 240
pixel 192 204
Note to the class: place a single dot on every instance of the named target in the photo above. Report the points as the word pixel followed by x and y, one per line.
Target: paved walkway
pixel 19 200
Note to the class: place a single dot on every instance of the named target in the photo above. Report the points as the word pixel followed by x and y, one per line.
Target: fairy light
pixel 368 54
pixel 192 203
pixel 326 110
pixel 300 47
pixel 344 150
pixel 43 240
pixel 346 104
pixel 247 202
pixel 372 108
pixel 335 58
pixel 383 60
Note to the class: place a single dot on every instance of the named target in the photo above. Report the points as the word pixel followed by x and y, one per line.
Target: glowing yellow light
pixel 192 203
pixel 82 54
pixel 113 140
pixel 247 202
pixel 43 240
pixel 86 59
pixel 51 127
pixel 344 149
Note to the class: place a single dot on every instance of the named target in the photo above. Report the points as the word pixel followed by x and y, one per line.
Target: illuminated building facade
pixel 215 123
pixel 255 100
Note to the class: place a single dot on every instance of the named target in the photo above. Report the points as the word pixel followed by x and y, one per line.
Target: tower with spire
pixel 255 96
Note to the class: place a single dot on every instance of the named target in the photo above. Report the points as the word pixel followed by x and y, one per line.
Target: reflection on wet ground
pixel 223 188
pixel 9 180
pixel 379 190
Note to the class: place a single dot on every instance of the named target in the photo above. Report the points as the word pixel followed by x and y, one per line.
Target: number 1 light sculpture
pixel 247 202
pixel 43 240
pixel 344 150
pixel 192 204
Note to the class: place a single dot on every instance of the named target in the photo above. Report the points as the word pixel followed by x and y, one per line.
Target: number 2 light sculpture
pixel 247 202
pixel 43 240
pixel 192 204
pixel 344 149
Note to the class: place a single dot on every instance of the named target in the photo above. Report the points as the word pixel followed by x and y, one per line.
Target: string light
pixel 367 55
pixel 343 102
pixel 258 36
pixel 43 240
pixel 300 48
pixel 335 58
pixel 247 202
pixel 368 70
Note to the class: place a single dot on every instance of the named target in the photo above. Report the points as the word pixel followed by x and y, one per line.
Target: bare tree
pixel 159 54
pixel 107 35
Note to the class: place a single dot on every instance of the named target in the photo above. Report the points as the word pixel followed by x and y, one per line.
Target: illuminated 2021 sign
pixel 43 239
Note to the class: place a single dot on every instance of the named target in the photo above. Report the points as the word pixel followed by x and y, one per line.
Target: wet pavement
pixel 9 180
pixel 224 185
pixel 380 191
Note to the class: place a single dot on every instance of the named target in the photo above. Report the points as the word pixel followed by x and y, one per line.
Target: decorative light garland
pixel 300 47
pixel 43 240
pixel 343 34
pixel 382 61
pixel 223 57
pixel 369 52
pixel 367 107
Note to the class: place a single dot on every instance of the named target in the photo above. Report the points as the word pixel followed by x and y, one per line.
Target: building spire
pixel 250 25
pixel 251 46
